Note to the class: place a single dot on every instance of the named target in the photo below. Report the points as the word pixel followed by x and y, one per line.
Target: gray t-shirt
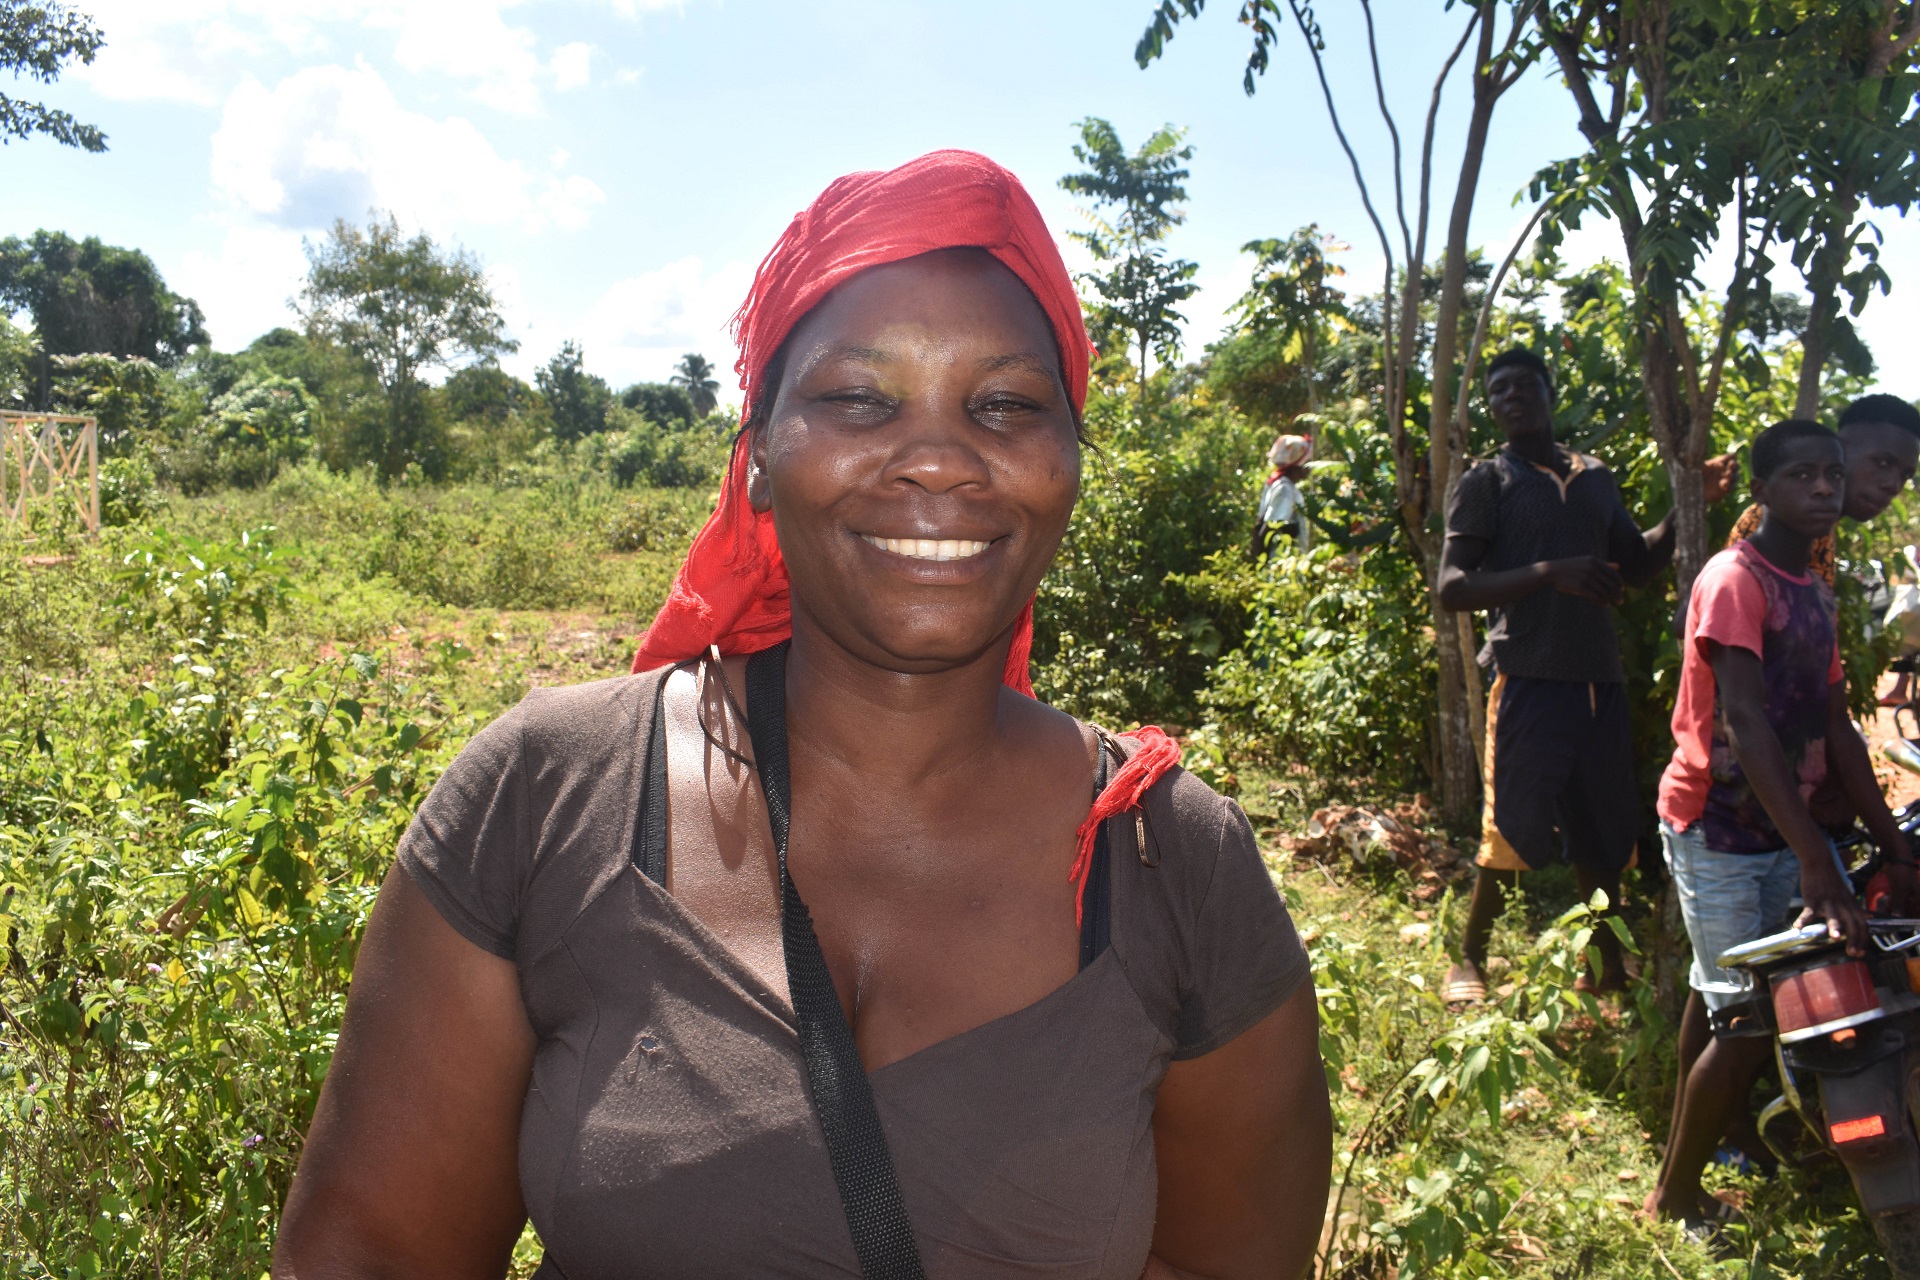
pixel 1526 513
pixel 668 1131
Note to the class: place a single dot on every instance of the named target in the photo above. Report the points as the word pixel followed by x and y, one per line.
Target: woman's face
pixel 920 460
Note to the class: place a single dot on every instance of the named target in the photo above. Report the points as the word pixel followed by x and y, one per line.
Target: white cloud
pixel 246 285
pixel 572 66
pixel 330 142
pixel 640 326
pixel 196 51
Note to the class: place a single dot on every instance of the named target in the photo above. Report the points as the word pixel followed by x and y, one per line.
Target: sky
pixel 620 166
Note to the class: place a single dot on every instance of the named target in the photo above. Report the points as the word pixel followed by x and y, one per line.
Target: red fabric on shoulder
pixel 1158 756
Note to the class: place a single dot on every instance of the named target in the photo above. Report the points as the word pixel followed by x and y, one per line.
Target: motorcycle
pixel 1846 1036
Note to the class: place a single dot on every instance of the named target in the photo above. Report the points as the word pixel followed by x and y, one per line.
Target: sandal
pixel 1463 987
pixel 1708 1228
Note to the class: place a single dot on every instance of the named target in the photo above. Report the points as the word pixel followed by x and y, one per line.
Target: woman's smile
pixel 928 548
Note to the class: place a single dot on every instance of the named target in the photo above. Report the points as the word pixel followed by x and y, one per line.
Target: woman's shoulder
pixel 1199 923
pixel 1185 824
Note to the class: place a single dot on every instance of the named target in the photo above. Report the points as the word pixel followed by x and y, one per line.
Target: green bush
pixel 1121 634
pixel 1336 672
pixel 177 941
pixel 129 490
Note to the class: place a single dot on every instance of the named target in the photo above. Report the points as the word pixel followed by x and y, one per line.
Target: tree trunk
pixel 1816 344
pixel 1459 771
pixel 1682 441
pixel 1447 446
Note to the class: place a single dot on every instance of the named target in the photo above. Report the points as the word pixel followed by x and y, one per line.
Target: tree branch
pixel 1468 367
pixel 1393 131
pixel 1396 423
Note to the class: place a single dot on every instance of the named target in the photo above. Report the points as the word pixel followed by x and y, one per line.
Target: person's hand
pixel 1828 897
pixel 1719 475
pixel 1587 576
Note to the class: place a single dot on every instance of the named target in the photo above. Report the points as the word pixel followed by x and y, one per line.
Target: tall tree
pixel 1292 297
pixel 87 297
pixel 578 400
pixel 1785 117
pixel 694 374
pixel 402 306
pixel 662 403
pixel 1139 287
pixel 38 40
pixel 1425 471
pixel 1847 143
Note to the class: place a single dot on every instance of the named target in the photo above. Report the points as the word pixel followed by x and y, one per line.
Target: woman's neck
pixel 893 728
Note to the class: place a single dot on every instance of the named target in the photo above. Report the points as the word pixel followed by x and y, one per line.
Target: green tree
pixel 1139 287
pixel 1292 299
pixel 694 374
pixel 1419 330
pixel 487 393
pixel 87 297
pixel 401 307
pixel 38 40
pixel 1845 142
pixel 1789 117
pixel 662 403
pixel 577 399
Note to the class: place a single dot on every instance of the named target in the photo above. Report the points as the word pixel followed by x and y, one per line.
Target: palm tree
pixel 696 375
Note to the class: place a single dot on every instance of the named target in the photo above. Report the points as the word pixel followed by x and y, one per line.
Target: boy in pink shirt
pixel 1760 722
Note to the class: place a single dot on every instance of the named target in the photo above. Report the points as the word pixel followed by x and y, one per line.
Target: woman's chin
pixel 895 644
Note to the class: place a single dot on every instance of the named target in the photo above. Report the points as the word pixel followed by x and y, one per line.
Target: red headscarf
pixel 732 591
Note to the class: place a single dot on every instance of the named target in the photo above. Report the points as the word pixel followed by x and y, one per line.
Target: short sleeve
pixel 1625 542
pixel 1729 607
pixel 1474 512
pixel 1246 956
pixel 469 845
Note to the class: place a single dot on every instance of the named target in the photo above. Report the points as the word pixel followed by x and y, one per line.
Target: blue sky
pixel 621 165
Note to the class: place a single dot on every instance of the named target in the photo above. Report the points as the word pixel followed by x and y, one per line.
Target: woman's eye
pixel 999 405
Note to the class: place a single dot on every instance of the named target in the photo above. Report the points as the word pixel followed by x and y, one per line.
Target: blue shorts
pixel 1727 899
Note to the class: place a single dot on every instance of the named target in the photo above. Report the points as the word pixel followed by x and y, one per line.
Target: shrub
pixel 1120 633
pixel 1336 672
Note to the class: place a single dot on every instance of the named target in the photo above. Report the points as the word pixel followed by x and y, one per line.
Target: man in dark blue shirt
pixel 1538 537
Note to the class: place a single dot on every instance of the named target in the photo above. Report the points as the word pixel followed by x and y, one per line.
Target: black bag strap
pixel 650 830
pixel 1095 905
pixel 842 1098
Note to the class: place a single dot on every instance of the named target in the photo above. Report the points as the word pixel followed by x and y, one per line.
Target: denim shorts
pixel 1727 899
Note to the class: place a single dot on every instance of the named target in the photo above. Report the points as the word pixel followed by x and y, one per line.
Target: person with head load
pixel 817 946
pixel 1760 721
pixel 1537 535
pixel 1280 510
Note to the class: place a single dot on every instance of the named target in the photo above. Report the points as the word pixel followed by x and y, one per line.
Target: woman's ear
pixel 759 488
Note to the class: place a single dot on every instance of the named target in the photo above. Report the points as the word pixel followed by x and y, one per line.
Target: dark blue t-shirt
pixel 1527 513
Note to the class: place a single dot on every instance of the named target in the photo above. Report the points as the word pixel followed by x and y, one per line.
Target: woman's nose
pixel 937 450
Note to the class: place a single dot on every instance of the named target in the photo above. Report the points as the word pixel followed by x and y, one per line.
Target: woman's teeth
pixel 928 548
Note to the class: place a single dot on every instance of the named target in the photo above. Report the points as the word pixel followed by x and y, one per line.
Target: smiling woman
pixel 883 968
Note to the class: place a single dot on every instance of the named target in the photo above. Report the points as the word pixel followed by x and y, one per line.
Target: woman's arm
pixel 1244 1140
pixel 410 1168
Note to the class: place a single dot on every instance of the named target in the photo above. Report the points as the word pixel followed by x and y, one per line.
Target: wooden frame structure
pixel 39 460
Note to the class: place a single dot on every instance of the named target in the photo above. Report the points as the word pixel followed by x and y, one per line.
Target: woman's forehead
pixel 965 296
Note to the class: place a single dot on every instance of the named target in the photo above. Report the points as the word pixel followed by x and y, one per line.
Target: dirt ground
pixel 1901 786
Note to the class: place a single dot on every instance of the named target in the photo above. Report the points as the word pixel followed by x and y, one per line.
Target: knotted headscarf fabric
pixel 732 592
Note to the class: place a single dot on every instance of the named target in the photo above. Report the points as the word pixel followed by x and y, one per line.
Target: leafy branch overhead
pixel 38 41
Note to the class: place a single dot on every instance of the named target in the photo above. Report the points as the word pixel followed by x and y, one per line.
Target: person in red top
pixel 1760 721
